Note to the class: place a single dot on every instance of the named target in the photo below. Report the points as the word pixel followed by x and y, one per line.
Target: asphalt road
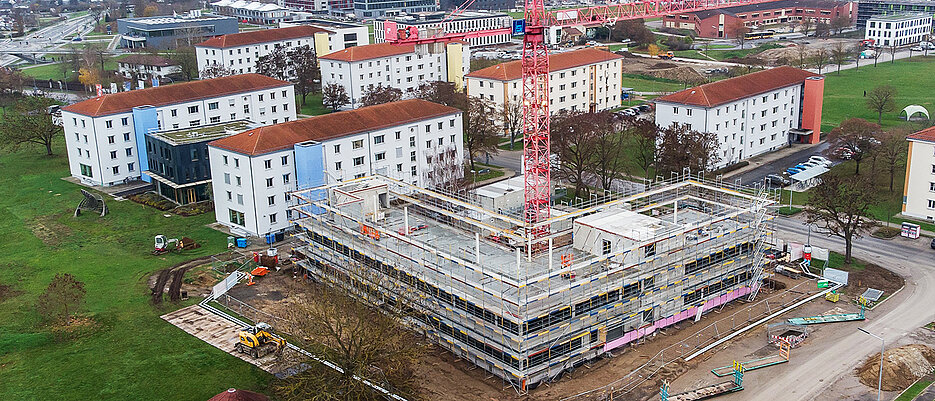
pixel 807 377
pixel 49 38
pixel 779 165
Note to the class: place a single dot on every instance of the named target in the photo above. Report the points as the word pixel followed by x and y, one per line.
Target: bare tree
pixel 29 123
pixel 893 54
pixel 891 150
pixel 739 32
pixel 881 99
pixel 877 52
pixel 364 342
pixel 644 135
pixel 801 52
pixel 61 299
pixel 840 53
pixel 380 94
pixel 446 170
pixel 839 23
pixel 680 147
pixel 441 92
pixel 841 207
pixel 275 64
pixel 215 71
pixel 609 161
pixel 574 143
pixel 822 29
pixel 188 63
pixel 820 58
pixel 305 71
pixel 806 24
pixel 334 96
pixel 857 136
pixel 480 128
pixel 512 120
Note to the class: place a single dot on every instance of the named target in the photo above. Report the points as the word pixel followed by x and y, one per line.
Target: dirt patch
pixel 7 292
pixel 153 200
pixel 49 230
pixel 873 276
pixel 901 367
pixel 173 276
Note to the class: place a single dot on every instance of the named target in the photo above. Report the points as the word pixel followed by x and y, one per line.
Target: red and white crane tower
pixel 535 68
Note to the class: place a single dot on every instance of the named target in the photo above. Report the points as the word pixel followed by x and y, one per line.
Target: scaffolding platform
pixel 751 365
pixel 842 317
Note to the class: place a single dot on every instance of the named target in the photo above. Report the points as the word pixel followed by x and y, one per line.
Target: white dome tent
pixel 912 109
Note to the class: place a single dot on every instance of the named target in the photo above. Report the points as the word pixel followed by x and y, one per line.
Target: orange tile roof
pixel 263 36
pixel 927 135
pixel 123 102
pixel 281 136
pixel 513 70
pixel 729 90
pixel 368 52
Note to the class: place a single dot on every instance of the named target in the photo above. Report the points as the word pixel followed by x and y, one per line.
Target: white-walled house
pixel 919 191
pixel 146 67
pixel 105 135
pixel 397 66
pixel 751 114
pixel 898 29
pixel 239 52
pixel 254 171
pixel 580 80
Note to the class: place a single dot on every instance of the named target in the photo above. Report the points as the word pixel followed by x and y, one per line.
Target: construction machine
pixel 667 55
pixel 162 245
pixel 259 341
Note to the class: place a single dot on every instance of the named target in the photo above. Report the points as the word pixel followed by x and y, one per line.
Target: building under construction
pixel 607 271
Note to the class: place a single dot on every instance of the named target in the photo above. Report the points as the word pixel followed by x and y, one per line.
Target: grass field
pixel 131 353
pixel 914 390
pixel 313 106
pixel 54 70
pixel 643 83
pixel 844 93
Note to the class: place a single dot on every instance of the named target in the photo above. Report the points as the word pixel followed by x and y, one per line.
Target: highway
pixel 49 38
pixel 812 372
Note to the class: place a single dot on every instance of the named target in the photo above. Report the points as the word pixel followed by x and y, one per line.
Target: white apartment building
pixel 239 52
pixel 254 171
pixel 147 66
pixel 105 135
pixel 429 23
pixel 252 11
pixel 751 114
pixel 397 66
pixel 919 191
pixel 582 80
pixel 898 29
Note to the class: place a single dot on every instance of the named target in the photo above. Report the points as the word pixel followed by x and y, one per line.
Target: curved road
pixel 808 377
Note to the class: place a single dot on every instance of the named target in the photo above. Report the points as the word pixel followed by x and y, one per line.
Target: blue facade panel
pixel 144 121
pixel 310 171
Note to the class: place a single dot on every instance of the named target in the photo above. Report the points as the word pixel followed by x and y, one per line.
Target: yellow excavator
pixel 259 341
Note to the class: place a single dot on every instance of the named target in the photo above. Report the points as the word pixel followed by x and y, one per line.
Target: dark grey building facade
pixel 168 32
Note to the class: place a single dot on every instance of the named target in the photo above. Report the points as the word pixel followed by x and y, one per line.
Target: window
pixel 267 164
pixel 129 151
pixel 359 160
pixel 239 181
pixel 932 187
pixel 260 97
pixel 213 106
pixel 675 110
pixel 649 250
pixel 451 122
pixel 236 162
pixel 428 127
pixel 412 156
pixel 125 121
pixel 931 204
pixel 272 218
pixel 227 178
pixel 126 136
pixel 236 217
pixel 285 160
pixel 688 112
pixel 130 167
pixel 113 154
pixel 378 139
pixel 192 109
pixel 428 144
pixel 357 144
pixel 605 247
pixel 271 200
pixel 194 123
pixel 215 119
pixel 379 156
pixel 412 141
pixel 285 178
pixel 86 170
pixel 246 109
pixel 269 182
pixel 230 196
pixel 116 170
pixel 174 112
pixel 109 123
pixel 224 157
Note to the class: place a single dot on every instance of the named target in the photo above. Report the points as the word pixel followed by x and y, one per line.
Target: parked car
pixel 76 39
pixel 645 108
pixel 843 153
pixel 932 245
pixel 820 160
pixel 793 170
pixel 916 48
pixel 629 112
pixel 777 180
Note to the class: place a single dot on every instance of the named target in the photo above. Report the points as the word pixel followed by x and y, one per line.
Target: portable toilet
pixel 241 242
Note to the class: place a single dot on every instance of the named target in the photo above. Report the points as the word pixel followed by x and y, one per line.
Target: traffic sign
pixel 519 26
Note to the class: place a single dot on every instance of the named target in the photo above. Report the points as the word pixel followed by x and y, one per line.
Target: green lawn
pixel 914 390
pixel 313 106
pixel 54 70
pixel 645 83
pixel 844 93
pixel 132 354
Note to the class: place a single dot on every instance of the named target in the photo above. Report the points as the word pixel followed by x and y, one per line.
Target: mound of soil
pixel 681 74
pixel 873 276
pixel 901 367
pixel 662 66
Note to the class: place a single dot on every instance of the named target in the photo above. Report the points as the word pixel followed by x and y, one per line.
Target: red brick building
pixel 722 22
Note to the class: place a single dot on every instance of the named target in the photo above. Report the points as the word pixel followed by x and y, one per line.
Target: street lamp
pixel 882 348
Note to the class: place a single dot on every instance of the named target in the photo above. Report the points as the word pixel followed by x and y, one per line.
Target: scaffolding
pixel 526 305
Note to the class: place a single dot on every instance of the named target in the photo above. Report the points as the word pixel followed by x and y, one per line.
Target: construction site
pixel 527 302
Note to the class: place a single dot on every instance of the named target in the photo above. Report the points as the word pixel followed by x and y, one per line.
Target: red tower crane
pixel 535 68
